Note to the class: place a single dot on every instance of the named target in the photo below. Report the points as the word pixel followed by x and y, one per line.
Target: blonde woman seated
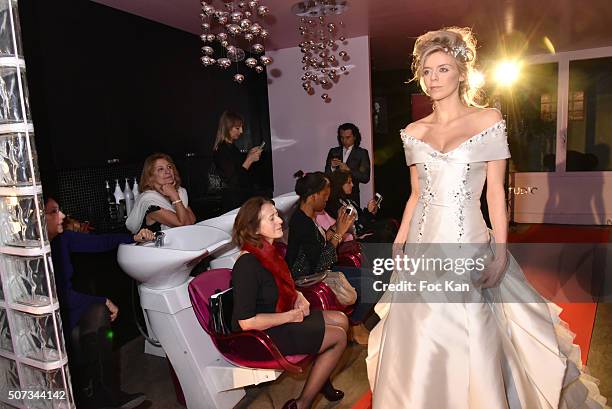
pixel 265 299
pixel 163 203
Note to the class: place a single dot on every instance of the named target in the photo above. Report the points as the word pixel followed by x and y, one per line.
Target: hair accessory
pixel 461 52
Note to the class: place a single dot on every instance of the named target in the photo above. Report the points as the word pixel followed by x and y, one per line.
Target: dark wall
pixel 392 177
pixel 108 85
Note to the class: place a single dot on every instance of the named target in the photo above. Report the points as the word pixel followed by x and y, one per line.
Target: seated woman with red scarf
pixel 265 299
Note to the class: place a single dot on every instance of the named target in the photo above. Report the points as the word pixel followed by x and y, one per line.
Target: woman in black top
pixel 369 228
pixel 310 249
pixel 232 166
pixel 265 299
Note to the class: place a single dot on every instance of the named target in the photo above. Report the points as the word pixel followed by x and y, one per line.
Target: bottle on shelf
pixel 129 197
pixel 111 204
pixel 135 190
pixel 120 199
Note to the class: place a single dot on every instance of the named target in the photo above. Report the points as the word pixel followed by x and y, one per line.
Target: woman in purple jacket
pixel 87 318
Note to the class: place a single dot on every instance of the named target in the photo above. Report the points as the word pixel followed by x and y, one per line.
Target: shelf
pixel 21 191
pixel 17 127
pixel 25 251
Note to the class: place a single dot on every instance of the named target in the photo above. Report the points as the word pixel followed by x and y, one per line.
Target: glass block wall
pixel 33 362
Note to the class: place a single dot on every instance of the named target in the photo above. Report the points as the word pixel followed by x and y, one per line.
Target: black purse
pixel 221 308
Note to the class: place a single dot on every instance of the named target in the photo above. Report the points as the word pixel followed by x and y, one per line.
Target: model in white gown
pixel 497 354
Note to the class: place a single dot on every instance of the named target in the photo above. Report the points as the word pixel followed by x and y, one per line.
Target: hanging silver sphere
pixel 242 4
pixel 263 10
pixel 342 38
pixel 236 55
pixel 259 69
pixel 248 36
pixel 258 48
pixel 264 33
pixel 265 60
pixel 231 49
pixel 208 10
pixel 234 29
pixel 239 78
pixel 253 4
pixel 236 16
pixel 210 38
pixel 207 61
pixel 324 96
pixel 224 43
pixel 245 23
pixel 208 50
pixel 343 68
pixel 222 36
pixel 255 29
pixel 248 14
pixel 342 54
pixel 224 63
pixel 206 26
pixel 251 62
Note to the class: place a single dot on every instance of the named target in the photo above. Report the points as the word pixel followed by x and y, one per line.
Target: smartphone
pixel 378 197
pixel 263 145
pixel 349 210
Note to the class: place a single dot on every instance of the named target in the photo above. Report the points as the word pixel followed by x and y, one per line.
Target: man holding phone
pixel 350 156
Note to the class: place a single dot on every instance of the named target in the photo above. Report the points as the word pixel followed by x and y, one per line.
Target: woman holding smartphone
pixel 234 167
pixel 163 203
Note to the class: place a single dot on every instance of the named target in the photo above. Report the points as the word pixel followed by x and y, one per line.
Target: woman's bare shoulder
pixel 486 117
pixel 418 128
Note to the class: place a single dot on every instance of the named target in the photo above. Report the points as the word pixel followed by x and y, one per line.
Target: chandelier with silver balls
pixel 232 30
pixel 324 60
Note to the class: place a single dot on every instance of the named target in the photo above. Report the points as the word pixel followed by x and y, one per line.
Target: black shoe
pixel 290 404
pixel 331 394
pixel 124 400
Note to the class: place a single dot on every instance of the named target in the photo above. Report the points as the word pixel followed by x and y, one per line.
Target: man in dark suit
pixel 349 156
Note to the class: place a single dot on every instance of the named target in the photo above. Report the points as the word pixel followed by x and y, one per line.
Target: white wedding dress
pixel 499 353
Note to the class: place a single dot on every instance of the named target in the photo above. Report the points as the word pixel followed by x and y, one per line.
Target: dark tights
pixel 332 347
pixel 91 347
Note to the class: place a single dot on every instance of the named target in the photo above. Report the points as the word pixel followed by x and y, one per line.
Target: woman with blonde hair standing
pixel 497 343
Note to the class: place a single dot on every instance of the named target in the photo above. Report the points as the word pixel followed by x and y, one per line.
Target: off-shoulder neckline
pixel 484 131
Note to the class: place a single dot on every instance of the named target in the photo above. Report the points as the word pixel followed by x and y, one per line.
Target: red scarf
pixel 275 263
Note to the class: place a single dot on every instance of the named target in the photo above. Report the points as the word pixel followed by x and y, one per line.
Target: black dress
pixel 238 181
pixel 307 250
pixel 255 292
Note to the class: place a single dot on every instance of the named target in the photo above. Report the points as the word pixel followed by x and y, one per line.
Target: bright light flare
pixel 507 72
pixel 476 79
pixel 549 45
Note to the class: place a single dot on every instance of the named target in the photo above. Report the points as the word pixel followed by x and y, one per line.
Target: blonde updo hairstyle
pixel 456 42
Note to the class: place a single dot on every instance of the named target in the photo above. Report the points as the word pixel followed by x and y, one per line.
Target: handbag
pixel 344 291
pixel 221 307
pixel 215 182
